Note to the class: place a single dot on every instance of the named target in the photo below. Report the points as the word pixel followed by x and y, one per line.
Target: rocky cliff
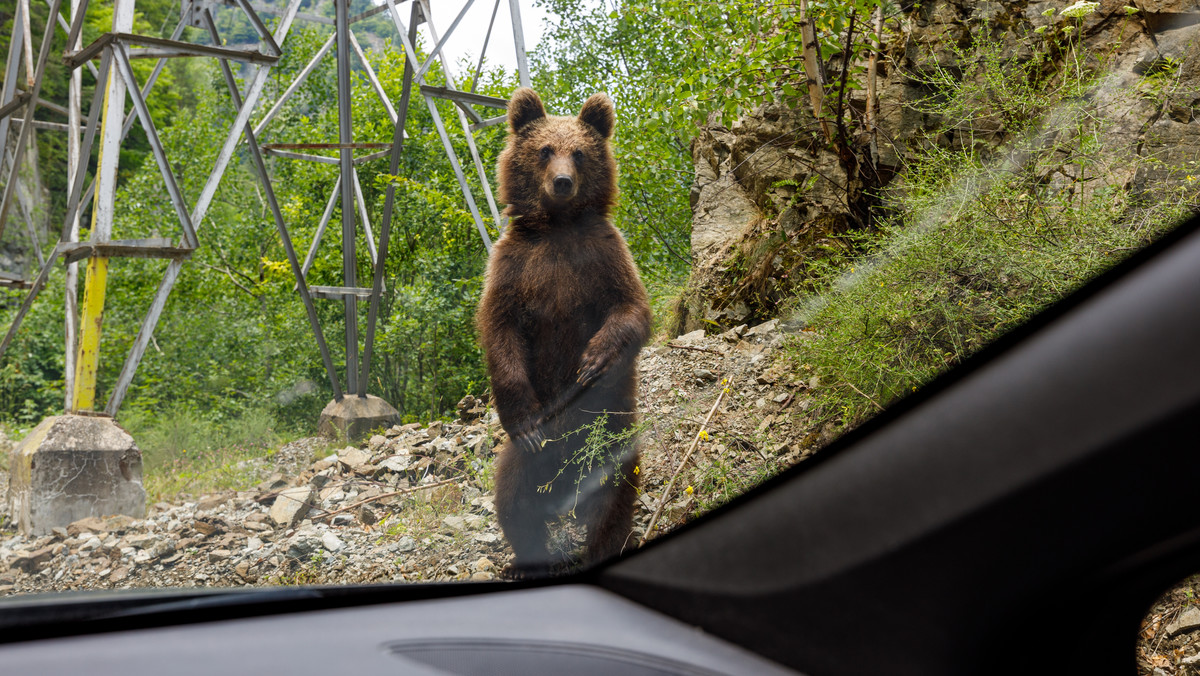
pixel 770 197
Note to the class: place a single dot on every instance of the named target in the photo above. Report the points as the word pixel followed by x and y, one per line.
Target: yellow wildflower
pixel 704 435
pixel 689 490
pixel 636 469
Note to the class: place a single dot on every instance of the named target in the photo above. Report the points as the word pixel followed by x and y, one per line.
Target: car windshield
pixel 346 291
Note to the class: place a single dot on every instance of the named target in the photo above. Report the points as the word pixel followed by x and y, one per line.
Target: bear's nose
pixel 563 184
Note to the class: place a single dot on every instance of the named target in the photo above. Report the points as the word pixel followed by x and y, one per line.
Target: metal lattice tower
pixel 347 187
pixel 108 126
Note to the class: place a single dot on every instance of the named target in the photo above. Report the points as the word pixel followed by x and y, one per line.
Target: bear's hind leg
pixel 521 511
pixel 609 511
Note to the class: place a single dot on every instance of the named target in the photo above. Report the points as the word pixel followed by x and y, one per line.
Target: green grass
pixel 664 293
pixel 184 454
pixel 721 480
pixel 900 319
pixel 975 250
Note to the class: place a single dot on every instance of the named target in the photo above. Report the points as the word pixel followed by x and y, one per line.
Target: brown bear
pixel 561 321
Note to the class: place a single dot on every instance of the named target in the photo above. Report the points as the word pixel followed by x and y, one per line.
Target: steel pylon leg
pixel 11 68
pixel 389 202
pixel 269 192
pixel 142 340
pixel 96 277
pixel 71 287
pixel 10 187
pixel 346 171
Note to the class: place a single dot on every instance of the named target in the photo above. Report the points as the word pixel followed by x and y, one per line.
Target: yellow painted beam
pixel 94 287
pixel 96 279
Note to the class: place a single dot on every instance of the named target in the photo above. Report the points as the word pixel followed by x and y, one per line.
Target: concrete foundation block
pixel 71 467
pixel 353 417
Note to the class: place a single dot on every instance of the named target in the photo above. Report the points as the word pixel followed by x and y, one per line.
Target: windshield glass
pixel 325 291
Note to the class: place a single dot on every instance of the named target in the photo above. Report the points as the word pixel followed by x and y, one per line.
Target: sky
pixel 468 37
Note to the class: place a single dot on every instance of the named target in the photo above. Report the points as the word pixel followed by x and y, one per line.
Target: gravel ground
pixel 414 503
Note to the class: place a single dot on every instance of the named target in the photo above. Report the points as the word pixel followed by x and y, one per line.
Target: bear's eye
pixel 546 152
pixel 577 156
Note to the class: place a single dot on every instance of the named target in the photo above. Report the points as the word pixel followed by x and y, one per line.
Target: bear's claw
pixel 530 441
pixel 591 369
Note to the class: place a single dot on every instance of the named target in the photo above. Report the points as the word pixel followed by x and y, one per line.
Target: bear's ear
pixel 598 114
pixel 524 107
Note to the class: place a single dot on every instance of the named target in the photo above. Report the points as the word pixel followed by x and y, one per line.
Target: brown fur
pixel 562 318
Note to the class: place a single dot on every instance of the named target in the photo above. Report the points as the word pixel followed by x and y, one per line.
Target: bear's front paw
pixel 591 367
pixel 530 440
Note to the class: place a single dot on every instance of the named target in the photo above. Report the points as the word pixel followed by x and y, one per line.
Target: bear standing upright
pixel 562 319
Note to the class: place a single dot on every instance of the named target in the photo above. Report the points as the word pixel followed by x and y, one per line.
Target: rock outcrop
pixel 770 196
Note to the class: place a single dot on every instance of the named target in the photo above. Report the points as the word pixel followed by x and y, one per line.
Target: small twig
pixel 229 274
pixel 688 347
pixel 670 484
pixel 847 54
pixel 662 441
pixel 388 495
pixel 759 451
pixel 788 402
pixel 659 235
pixel 267 497
pixel 1174 614
pixel 851 386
